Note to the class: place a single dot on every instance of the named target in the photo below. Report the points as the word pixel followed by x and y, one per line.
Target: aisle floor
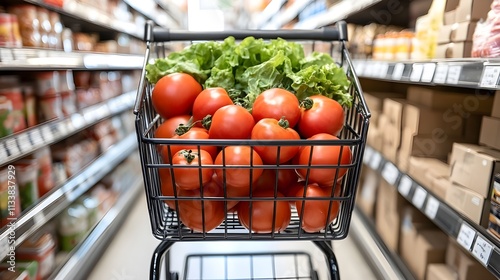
pixel 128 256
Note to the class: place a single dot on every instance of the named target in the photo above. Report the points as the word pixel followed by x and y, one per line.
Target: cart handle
pixel 158 34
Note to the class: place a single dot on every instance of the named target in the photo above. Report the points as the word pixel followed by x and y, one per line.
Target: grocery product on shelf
pixel 40 248
pixel 45 171
pixel 486 36
pixel 9 31
pixel 26 178
pixel 72 226
pixel 29 25
pixel 10 205
pixel 13 118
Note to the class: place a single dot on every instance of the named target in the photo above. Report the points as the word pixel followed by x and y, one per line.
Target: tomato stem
pixel 188 155
pixel 182 129
pixel 284 123
pixel 307 103
pixel 207 122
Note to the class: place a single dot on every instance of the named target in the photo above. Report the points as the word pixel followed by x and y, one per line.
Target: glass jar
pixel 29 25
pixel 45 171
pixel 39 248
pixel 27 181
pixel 15 95
pixel 29 104
pixel 10 207
pixel 73 226
pixel 45 27
pixel 6 117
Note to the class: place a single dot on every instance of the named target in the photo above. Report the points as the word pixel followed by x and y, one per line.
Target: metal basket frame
pixel 165 222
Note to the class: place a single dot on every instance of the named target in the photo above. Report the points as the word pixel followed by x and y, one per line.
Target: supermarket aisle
pixel 129 254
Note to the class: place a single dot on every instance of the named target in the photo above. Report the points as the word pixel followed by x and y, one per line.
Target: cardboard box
pixel 471 204
pixel 393 110
pixel 423 120
pixel 494 219
pixel 437 145
pixel 413 222
pixel 443 50
pixel 430 247
pixel 448 101
pixel 375 100
pixel 445 34
pixel 474 166
pixel 426 170
pixel 440 271
pixel 368 192
pixel 375 138
pixel 451 5
pixel 440 187
pixel 461 50
pixel 388 214
pixel 450 17
pixel 490 132
pixel 466 267
pixel 463 32
pixel 473 10
pixel 495 112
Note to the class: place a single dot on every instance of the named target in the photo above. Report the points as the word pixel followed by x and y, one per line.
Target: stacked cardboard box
pixel 430 172
pixel 460 21
pixel 367 191
pixel 494 217
pixel 490 129
pixel 433 120
pixel 472 171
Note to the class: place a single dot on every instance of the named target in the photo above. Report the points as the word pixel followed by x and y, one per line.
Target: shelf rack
pixel 473 238
pixel 287 15
pixel 25 142
pixel 467 73
pixel 57 200
pixel 162 19
pixel 82 259
pixel 17 59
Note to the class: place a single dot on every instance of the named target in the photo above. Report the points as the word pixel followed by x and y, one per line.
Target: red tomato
pixel 174 95
pixel 238 179
pixel 231 204
pixel 209 101
pixel 189 178
pixel 231 122
pixel 320 115
pixel 315 215
pixel 193 133
pixel 167 188
pixel 168 127
pixel 271 129
pixel 286 179
pixel 262 215
pixel 277 103
pixel 193 212
pixel 324 155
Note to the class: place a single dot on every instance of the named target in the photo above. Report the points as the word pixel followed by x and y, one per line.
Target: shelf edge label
pixel 419 197
pixel 466 236
pixel 490 76
pixel 482 250
pixel 432 207
pixel 405 185
pixel 390 173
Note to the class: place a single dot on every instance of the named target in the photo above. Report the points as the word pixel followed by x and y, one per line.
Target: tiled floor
pixel 128 256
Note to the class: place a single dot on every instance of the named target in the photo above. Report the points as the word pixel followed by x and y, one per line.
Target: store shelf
pixel 21 144
pixel 85 14
pixel 268 13
pixel 386 263
pixel 473 238
pixel 467 73
pixel 287 15
pixel 80 262
pixel 55 202
pixel 18 59
pixel 339 11
pixel 176 14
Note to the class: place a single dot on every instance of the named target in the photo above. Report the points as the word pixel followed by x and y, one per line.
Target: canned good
pixel 40 248
pixel 50 107
pixel 10 206
pixel 29 25
pixel 47 83
pixel 27 180
pixel 15 95
pixel 57 29
pixel 45 171
pixel 92 205
pixel 9 31
pixel 67 91
pixel 73 226
pixel 6 117
pixel 29 105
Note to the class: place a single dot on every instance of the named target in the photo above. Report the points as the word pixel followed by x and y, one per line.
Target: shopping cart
pixel 166 225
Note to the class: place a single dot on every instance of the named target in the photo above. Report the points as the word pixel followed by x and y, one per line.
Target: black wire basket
pixel 165 221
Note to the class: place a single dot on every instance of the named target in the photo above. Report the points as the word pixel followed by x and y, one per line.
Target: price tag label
pixel 454 74
pixel 416 72
pixel 368 155
pixel 490 76
pixel 68 125
pixel 12 147
pixel 370 69
pixel 390 173
pixel 375 161
pixel 360 68
pixel 6 55
pixel 4 246
pixel 441 74
pixel 48 135
pixel 397 74
pixel 405 185
pixel 482 250
pixel 3 153
pixel 419 197
pixel 384 68
pixel 466 236
pixel 36 137
pixel 432 207
pixel 428 74
pixel 24 142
